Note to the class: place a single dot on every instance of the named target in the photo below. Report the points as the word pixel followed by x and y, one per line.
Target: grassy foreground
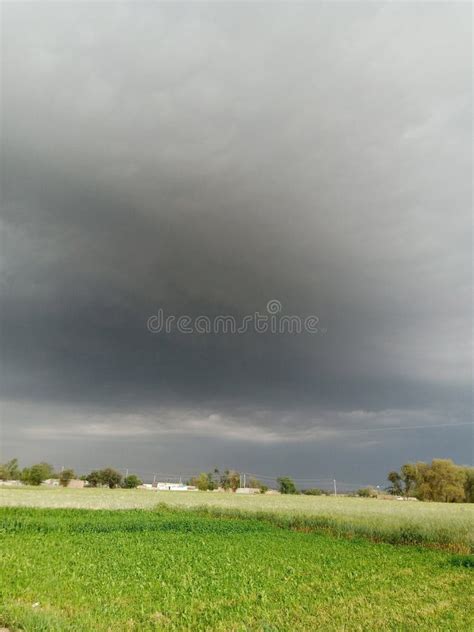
pixel 448 526
pixel 81 570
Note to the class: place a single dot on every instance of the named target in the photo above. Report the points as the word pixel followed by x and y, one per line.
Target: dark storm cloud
pixel 205 159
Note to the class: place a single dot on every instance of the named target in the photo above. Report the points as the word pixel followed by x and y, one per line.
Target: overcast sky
pixel 205 159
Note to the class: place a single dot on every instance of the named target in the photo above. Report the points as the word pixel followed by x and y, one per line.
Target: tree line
pixel 40 472
pixel 441 481
pixel 229 480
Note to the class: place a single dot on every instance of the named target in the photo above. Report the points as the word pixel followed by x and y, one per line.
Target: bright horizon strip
pixel 448 425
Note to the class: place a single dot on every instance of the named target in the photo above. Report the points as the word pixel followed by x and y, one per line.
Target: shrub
pixel 367 492
pixel 131 481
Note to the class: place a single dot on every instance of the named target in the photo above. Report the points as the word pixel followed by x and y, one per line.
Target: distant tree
pixel 201 482
pixel 230 480
pixel 263 489
pixel 131 481
pixel 396 483
pixel 211 482
pixel 224 480
pixel 409 475
pixel 442 481
pixel 110 477
pixel 94 478
pixel 367 492
pixel 234 479
pixel 214 478
pixel 10 471
pixel 314 491
pixel 37 473
pixel 286 485
pixel 469 485
pixel 439 481
pixel 66 476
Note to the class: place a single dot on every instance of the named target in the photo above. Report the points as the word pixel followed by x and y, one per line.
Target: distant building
pixel 76 483
pixel 247 490
pixel 51 482
pixel 171 487
pixel 167 487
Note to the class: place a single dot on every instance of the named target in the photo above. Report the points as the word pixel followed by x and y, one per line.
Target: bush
pixel 131 481
pixel 313 492
pixel 367 492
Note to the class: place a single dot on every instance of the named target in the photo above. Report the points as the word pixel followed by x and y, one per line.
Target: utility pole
pixel 154 478
pixel 126 473
pixel 335 488
pixel 245 481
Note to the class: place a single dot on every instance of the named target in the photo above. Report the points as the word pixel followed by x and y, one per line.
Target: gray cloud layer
pixel 205 159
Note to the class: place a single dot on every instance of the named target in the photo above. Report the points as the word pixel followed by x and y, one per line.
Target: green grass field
pixel 81 570
pixel 437 524
pixel 118 560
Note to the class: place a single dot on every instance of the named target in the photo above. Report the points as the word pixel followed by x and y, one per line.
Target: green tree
pixel 211 480
pixel 37 473
pixel 10 471
pixel 131 481
pixel 94 478
pixel 201 481
pixel 442 481
pixel 230 480
pixel 396 483
pixel 110 477
pixel 286 485
pixel 409 475
pixel 469 485
pixel 66 476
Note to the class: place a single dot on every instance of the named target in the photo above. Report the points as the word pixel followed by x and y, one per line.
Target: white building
pixel 170 487
pixel 167 487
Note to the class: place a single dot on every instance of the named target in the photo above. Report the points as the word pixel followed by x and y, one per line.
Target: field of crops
pixel 81 570
pixel 436 524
